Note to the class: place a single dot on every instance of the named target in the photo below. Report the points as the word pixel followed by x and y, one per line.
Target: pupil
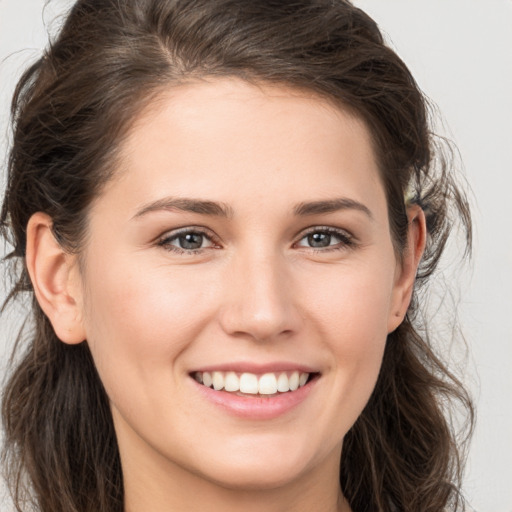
pixel 191 241
pixel 319 240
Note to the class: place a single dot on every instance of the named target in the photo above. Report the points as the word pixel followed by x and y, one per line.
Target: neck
pixel 161 486
pixel 215 499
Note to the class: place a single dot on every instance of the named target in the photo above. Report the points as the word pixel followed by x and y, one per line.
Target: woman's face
pixel 245 235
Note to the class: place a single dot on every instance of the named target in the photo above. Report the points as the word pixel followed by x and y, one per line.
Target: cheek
pixel 353 303
pixel 138 322
pixel 351 314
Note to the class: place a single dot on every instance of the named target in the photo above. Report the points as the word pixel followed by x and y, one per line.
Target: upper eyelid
pixel 173 233
pixel 327 229
pixel 312 229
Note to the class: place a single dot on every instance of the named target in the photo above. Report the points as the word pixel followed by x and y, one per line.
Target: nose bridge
pixel 259 301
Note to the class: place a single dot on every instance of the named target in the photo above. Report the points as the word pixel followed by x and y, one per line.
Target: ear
pixel 408 266
pixel 55 279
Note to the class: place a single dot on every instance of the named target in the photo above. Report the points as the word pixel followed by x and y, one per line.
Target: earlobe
pixel 407 268
pixel 54 276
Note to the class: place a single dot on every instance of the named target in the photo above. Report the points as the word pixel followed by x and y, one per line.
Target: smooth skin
pixel 271 272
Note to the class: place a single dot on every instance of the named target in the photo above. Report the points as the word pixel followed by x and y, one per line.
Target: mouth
pixel 256 392
pixel 252 384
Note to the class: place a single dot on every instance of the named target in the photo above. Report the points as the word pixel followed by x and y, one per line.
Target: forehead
pixel 229 140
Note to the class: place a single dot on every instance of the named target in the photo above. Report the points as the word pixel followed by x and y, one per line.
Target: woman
pixel 223 212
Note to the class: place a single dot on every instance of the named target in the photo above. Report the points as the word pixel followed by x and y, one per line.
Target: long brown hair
pixel 70 112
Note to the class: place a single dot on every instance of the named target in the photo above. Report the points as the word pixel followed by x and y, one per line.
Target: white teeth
pixel 250 383
pixel 267 384
pixel 282 383
pixel 207 379
pixel 294 381
pixel 218 380
pixel 231 382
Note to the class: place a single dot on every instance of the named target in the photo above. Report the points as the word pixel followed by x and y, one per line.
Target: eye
pixel 186 241
pixel 326 238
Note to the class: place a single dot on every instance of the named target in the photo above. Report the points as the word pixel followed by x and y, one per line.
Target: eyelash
pixel 166 240
pixel 346 240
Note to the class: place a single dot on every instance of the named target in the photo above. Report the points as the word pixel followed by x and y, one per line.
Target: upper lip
pixel 249 367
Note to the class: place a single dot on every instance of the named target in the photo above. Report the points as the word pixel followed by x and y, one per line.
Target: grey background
pixel 460 52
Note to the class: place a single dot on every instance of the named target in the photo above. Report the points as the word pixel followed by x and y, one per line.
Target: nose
pixel 259 302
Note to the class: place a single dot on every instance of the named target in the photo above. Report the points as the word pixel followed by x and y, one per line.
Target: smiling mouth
pixel 267 384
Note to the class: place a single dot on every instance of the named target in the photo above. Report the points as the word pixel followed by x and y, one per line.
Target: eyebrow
pixel 330 206
pixel 187 205
pixel 213 208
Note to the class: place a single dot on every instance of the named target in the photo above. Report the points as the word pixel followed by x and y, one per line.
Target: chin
pixel 255 467
pixel 255 476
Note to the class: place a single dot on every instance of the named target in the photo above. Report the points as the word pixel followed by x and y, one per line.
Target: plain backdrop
pixel 460 52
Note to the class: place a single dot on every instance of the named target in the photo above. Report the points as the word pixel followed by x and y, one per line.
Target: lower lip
pixel 257 407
